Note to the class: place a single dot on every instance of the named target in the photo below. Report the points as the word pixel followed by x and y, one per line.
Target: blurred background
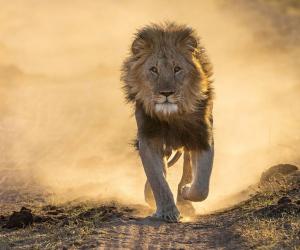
pixel 64 124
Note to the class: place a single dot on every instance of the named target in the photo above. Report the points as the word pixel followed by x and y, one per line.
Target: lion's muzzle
pixel 166 104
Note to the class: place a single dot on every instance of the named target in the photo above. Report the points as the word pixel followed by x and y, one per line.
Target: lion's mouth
pixel 166 108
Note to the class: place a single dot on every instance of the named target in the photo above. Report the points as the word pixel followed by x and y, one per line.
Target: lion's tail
pixel 175 158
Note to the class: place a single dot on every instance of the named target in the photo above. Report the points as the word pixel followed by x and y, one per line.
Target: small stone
pixel 284 200
pixel 20 219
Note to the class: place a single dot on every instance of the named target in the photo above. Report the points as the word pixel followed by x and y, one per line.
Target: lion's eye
pixel 177 69
pixel 154 70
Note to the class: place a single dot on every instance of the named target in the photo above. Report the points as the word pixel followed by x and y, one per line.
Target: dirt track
pixel 92 224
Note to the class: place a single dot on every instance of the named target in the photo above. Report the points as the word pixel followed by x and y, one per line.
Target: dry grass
pixel 272 231
pixel 282 233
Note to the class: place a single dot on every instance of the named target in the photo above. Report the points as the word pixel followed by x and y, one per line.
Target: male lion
pixel 166 76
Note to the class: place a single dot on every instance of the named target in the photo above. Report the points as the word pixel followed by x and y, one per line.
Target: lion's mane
pixel 192 127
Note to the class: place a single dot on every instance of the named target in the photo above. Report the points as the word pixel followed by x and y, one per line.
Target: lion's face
pixel 163 73
pixel 167 77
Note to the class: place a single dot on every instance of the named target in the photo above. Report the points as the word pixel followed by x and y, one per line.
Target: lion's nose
pixel 166 93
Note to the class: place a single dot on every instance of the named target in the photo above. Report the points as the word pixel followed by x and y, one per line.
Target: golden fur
pixel 166 46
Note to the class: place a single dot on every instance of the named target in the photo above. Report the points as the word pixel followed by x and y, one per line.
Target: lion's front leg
pixel 152 158
pixel 202 162
pixel 149 197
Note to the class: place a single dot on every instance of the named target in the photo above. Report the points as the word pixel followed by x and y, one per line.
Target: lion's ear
pixel 139 45
pixel 191 43
pixel 187 40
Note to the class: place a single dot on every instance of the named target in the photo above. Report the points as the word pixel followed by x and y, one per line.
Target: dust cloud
pixel 63 118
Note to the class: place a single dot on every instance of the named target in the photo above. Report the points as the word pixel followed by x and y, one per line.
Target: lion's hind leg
pixel 149 197
pixel 185 206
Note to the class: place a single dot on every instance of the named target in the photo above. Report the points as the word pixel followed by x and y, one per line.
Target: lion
pixel 167 78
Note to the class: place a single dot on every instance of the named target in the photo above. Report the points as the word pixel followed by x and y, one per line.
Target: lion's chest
pixel 190 134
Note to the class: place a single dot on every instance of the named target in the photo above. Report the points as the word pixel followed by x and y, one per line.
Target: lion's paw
pixel 194 193
pixel 186 208
pixel 171 215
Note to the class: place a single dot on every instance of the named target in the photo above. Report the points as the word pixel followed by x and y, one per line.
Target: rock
pixel 277 171
pixel 284 200
pixel 20 219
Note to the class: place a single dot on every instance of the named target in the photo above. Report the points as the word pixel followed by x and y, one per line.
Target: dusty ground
pixel 270 219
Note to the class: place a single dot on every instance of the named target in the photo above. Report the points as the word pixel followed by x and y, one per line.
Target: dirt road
pixel 270 218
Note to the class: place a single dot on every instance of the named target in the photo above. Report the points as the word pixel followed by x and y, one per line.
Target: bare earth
pixel 270 219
